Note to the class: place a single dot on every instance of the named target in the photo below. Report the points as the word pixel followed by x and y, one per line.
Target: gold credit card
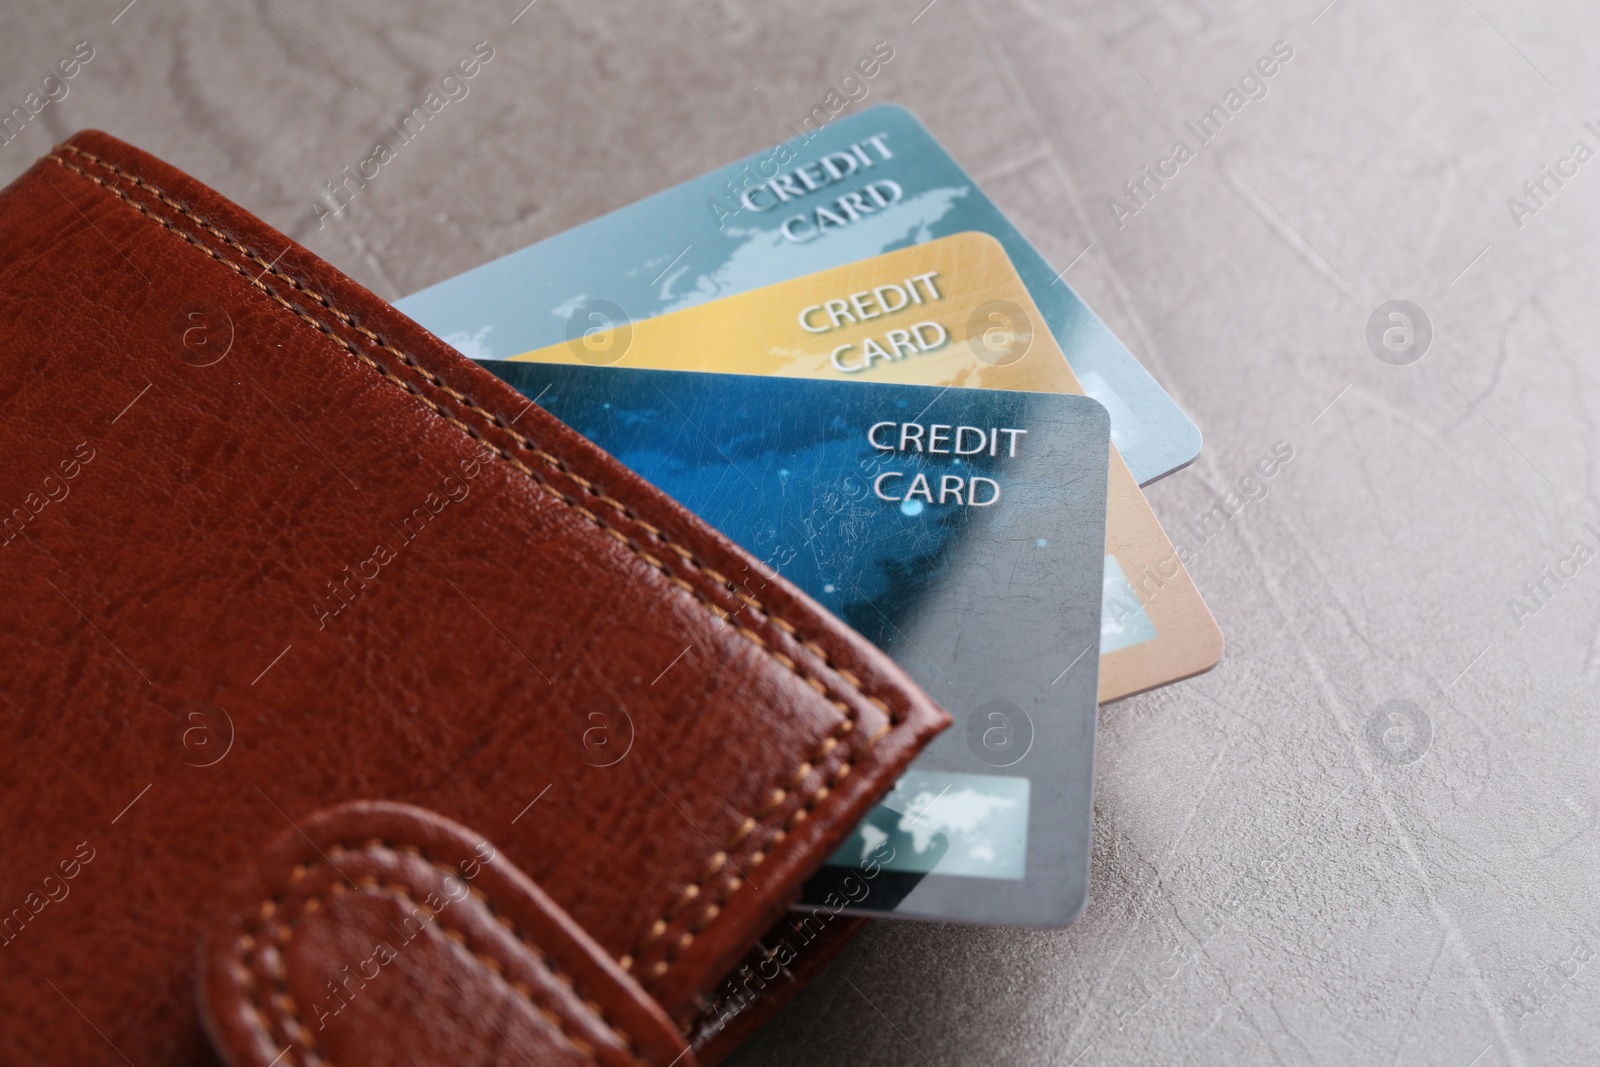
pixel 951 312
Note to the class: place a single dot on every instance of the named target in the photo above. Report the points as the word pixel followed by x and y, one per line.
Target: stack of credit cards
pixel 841 354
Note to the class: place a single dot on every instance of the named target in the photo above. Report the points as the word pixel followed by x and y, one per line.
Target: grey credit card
pixel 864 185
pixel 962 531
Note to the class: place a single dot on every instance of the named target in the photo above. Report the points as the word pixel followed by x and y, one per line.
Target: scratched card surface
pixel 864 185
pixel 951 312
pixel 963 532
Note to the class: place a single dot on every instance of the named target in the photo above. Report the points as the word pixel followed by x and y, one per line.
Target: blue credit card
pixel 861 186
pixel 963 532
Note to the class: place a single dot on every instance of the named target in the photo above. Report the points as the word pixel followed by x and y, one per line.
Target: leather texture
pixel 270 548
pixel 349 937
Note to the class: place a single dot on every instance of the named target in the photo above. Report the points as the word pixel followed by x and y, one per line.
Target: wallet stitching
pixel 751 823
pixel 269 909
pixel 623 509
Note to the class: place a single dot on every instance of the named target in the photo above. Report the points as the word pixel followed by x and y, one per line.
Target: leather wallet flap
pixel 382 933
pixel 269 547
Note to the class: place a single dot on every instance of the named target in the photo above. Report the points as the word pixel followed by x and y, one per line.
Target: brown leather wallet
pixel 358 711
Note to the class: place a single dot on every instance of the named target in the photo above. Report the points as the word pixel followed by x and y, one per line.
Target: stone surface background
pixel 1274 881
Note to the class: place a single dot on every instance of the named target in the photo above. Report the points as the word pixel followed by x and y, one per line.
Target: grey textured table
pixel 1286 869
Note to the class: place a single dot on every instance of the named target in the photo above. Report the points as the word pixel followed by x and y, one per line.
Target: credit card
pixel 962 531
pixel 863 185
pixel 951 312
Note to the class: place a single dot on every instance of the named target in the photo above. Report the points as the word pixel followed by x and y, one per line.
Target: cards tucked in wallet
pixel 950 312
pixel 355 710
pixel 866 184
pixel 963 531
